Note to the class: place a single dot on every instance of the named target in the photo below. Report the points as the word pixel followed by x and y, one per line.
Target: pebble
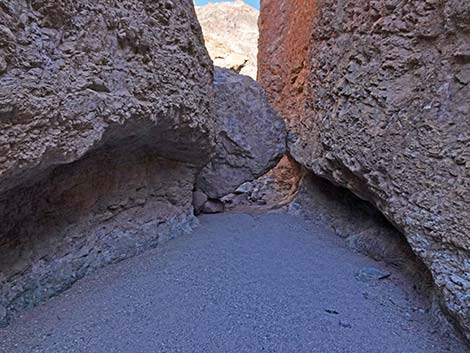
pixel 3 317
pixel 368 274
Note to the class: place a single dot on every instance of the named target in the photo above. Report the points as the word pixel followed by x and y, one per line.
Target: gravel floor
pixel 239 283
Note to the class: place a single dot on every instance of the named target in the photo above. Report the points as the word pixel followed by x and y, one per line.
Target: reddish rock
pixel 377 99
pixel 284 45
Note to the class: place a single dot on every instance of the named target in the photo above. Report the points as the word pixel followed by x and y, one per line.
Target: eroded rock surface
pixel 105 120
pixel 251 137
pixel 361 226
pixel 377 98
pixel 283 58
pixel 276 189
pixel 231 35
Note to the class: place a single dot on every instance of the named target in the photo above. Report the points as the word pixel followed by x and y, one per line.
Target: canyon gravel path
pixel 240 283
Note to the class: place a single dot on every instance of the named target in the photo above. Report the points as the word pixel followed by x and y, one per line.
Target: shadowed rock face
pixel 384 112
pixel 251 137
pixel 105 120
pixel 231 35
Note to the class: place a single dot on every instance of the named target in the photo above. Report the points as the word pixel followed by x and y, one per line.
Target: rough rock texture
pixel 283 58
pixel 384 112
pixel 251 137
pixel 213 206
pixel 273 190
pixel 362 227
pixel 199 200
pixel 105 120
pixel 231 35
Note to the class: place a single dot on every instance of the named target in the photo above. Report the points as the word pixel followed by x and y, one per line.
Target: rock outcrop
pixel 231 35
pixel 105 120
pixel 376 95
pixel 250 135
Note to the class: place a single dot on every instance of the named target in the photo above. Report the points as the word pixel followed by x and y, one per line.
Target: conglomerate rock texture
pixel 377 99
pixel 250 135
pixel 284 42
pixel 231 35
pixel 105 120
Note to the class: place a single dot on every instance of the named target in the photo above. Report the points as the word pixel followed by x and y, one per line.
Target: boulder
pixel 199 200
pixel 250 136
pixel 376 99
pixel 213 206
pixel 106 117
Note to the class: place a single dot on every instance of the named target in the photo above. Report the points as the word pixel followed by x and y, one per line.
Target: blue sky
pixel 254 3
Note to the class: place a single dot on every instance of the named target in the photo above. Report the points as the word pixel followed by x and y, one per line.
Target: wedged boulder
pixel 250 136
pixel 377 98
pixel 106 117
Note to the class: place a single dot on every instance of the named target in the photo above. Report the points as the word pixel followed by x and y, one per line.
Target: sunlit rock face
pixel 284 44
pixel 376 95
pixel 231 35
pixel 105 120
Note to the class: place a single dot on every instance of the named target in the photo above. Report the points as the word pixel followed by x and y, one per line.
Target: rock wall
pixel 284 44
pixel 105 120
pixel 384 110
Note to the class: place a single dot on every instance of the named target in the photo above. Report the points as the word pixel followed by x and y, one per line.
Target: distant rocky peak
pixel 231 35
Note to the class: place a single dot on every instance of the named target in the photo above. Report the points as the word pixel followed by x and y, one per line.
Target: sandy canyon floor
pixel 271 282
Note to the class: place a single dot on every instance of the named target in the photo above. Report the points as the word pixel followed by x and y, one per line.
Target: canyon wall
pixel 377 99
pixel 106 118
pixel 283 65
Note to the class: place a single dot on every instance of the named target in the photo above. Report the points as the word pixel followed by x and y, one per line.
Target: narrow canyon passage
pixel 309 161
pixel 272 282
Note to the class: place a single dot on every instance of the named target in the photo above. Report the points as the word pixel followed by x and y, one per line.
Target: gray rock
pixel 345 324
pixel 199 199
pixel 245 188
pixel 3 317
pixel 213 206
pixel 251 137
pixel 368 274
